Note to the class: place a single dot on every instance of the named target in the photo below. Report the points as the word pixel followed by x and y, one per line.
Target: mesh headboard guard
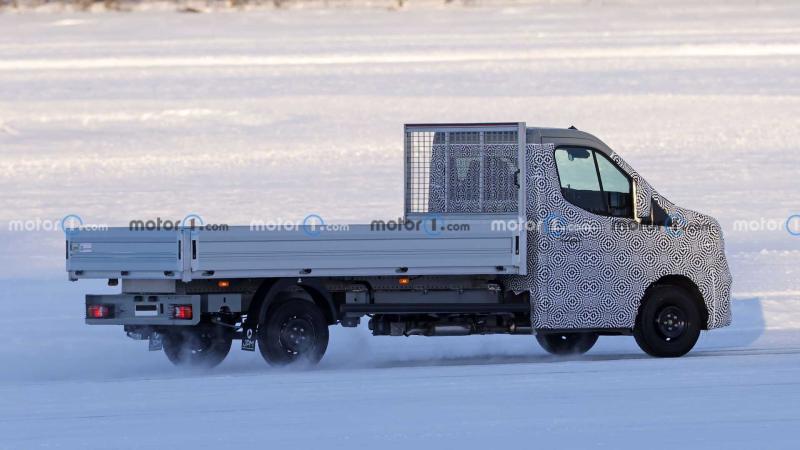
pixel 463 169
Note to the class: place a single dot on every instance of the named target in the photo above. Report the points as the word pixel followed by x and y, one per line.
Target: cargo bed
pixel 239 252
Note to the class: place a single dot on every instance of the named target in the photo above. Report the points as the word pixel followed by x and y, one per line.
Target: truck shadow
pixel 740 339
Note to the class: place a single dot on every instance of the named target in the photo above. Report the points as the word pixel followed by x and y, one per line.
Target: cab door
pixel 586 208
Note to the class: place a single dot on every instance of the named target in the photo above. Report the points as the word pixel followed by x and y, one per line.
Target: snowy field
pixel 278 114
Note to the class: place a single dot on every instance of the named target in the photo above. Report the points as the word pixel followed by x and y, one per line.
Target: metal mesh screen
pixel 419 146
pixel 467 172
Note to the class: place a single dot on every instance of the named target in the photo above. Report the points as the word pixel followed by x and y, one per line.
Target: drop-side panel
pixel 359 250
pixel 121 252
pixel 480 247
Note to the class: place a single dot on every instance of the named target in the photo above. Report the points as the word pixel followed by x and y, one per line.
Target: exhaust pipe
pixel 440 330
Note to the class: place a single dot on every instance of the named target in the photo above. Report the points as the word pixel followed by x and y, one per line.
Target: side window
pixel 616 186
pixel 578 176
pixel 591 181
pixel 464 190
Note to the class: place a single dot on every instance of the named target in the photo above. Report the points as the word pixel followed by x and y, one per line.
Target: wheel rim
pixel 190 345
pixel 297 335
pixel 202 342
pixel 671 322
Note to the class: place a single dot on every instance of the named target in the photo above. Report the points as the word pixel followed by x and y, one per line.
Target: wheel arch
pixel 273 290
pixel 686 283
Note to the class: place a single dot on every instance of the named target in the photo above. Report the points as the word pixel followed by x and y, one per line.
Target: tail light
pixel 182 312
pixel 98 311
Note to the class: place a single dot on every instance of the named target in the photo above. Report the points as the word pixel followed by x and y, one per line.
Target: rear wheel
pixel 567 343
pixel 668 323
pixel 203 345
pixel 295 331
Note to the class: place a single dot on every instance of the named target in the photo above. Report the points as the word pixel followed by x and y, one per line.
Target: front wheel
pixel 566 343
pixel 204 345
pixel 294 331
pixel 668 323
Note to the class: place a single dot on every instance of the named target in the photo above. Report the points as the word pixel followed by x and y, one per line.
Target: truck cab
pixel 507 229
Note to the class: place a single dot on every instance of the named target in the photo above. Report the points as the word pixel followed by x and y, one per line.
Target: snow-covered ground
pixel 278 114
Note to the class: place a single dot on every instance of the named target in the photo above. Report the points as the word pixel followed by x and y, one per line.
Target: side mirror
pixel 643 196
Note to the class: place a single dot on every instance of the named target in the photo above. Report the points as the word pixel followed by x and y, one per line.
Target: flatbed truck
pixel 507 229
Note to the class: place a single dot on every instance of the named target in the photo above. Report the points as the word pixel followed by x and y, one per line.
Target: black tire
pixel 567 343
pixel 204 345
pixel 669 322
pixel 295 331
